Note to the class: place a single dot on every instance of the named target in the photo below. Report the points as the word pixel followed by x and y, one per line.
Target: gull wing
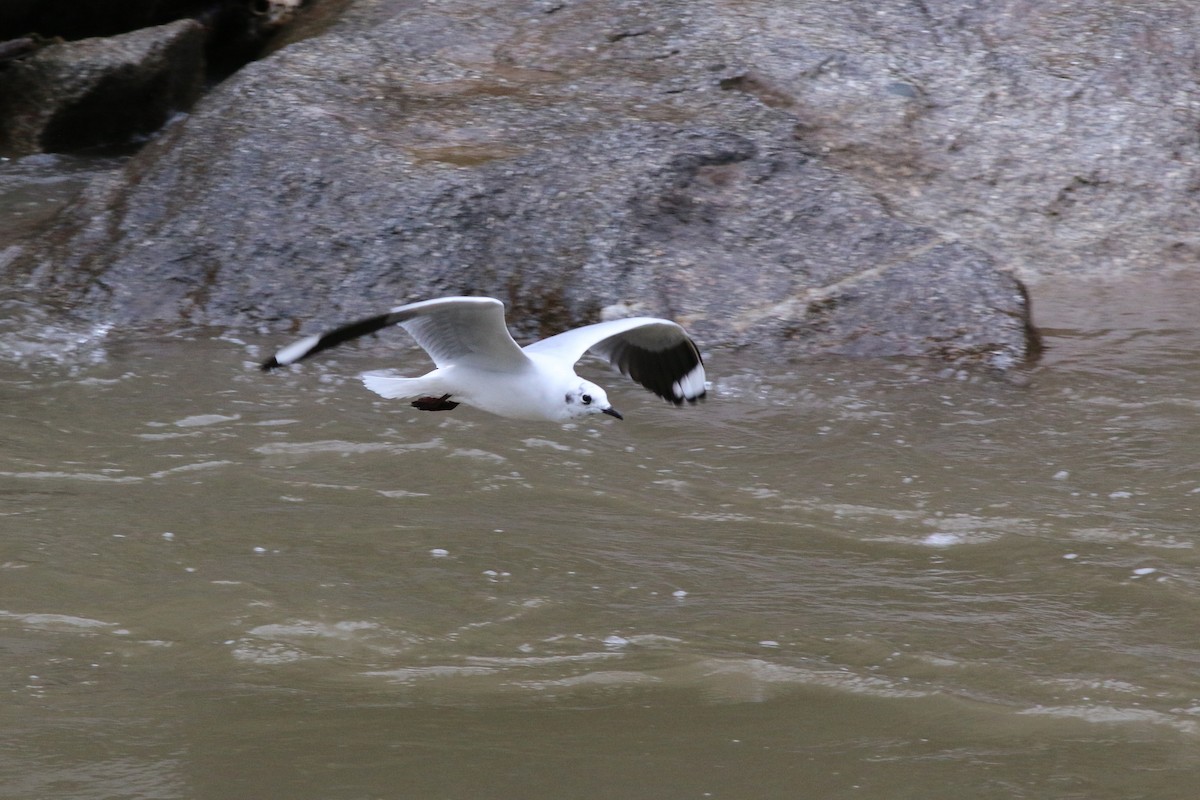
pixel 657 353
pixel 452 330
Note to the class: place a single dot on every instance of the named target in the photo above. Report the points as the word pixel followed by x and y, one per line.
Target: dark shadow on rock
pixel 80 74
pixel 73 95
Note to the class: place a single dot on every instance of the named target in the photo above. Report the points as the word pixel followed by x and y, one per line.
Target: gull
pixel 478 363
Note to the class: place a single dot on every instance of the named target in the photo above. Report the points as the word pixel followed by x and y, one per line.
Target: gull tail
pixel 394 387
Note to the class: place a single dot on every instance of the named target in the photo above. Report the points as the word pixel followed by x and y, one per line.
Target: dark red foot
pixel 442 403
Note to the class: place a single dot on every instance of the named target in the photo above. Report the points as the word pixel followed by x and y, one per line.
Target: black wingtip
pixel 269 364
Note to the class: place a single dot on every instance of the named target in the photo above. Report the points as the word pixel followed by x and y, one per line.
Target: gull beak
pixel 612 412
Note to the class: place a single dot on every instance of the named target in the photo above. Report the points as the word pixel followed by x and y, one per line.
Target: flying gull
pixel 479 364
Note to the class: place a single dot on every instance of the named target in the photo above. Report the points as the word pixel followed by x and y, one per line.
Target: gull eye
pixel 586 399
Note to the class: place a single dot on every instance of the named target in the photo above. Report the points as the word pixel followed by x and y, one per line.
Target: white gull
pixel 479 364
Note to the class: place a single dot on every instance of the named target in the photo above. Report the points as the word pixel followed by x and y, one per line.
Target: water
pixel 833 579
pixel 33 189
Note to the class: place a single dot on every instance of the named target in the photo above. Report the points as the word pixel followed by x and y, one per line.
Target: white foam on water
pixel 942 540
pixel 90 477
pixel 1115 715
pixel 202 465
pixel 200 420
pixel 599 679
pixel 440 671
pixel 57 621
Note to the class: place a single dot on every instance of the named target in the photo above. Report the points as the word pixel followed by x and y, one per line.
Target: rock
pixel 236 30
pixel 85 19
pixel 73 95
pixel 566 158
pixel 17 48
pixel 1060 137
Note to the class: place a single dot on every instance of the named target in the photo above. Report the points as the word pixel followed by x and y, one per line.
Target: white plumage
pixel 478 363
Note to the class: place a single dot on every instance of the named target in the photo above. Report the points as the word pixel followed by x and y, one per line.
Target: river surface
pixel 834 579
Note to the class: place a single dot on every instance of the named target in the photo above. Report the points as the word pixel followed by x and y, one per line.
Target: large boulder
pixel 1060 137
pixel 72 95
pixel 572 159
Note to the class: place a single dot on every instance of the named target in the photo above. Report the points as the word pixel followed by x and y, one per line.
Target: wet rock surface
pixel 235 30
pixel 86 75
pixel 68 96
pixel 862 178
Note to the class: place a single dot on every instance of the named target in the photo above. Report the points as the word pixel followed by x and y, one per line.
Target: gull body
pixel 538 390
pixel 478 362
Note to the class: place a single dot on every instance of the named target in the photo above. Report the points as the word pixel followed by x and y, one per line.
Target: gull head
pixel 585 399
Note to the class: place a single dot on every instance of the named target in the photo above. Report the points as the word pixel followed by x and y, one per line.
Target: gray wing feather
pixel 453 330
pixel 656 353
pixel 462 330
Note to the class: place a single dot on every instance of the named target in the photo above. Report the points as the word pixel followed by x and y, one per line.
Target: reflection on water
pixel 842 576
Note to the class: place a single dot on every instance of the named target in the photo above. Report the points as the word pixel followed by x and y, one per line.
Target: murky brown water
pixel 839 579
pixel 34 188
